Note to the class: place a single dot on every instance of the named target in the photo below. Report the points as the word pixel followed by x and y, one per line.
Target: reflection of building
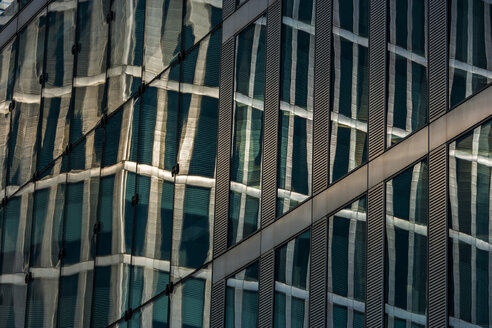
pixel 246 163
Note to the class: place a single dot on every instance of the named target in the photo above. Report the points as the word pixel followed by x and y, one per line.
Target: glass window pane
pixel 406 247
pixel 190 300
pixel 242 298
pixel 125 68
pixel 245 187
pixel 197 148
pixel 347 264
pixel 90 77
pixel 57 91
pixel 162 35
pixel 470 53
pixel 199 19
pixel 296 104
pixel 470 223
pixel 349 94
pixel 292 283
pixel 27 96
pixel 407 69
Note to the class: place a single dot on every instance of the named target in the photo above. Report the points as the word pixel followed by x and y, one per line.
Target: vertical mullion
pixel 266 292
pixel 437 240
pixel 375 257
pixel 377 77
pixel 218 304
pixel 438 58
pixel 271 114
pixel 322 94
pixel 224 147
pixel 228 7
pixel 318 274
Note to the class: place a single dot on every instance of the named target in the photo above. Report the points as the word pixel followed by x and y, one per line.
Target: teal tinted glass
pixel 242 298
pixel 470 54
pixel 8 9
pixel 296 105
pixel 347 232
pixel 292 283
pixel 245 187
pixel 349 94
pixel 406 247
pixel 470 223
pixel 407 102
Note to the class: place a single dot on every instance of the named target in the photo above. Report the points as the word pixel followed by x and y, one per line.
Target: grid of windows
pixel 109 117
pixel 109 183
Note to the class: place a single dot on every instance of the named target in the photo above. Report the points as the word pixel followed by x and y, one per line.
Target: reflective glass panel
pixel 162 35
pixel 470 233
pixel 194 194
pixel 245 187
pixel 126 54
pixel 57 91
pixel 349 94
pixel 7 72
pixel 470 48
pixel 407 69
pixel 292 283
pixel 190 300
pixel 242 298
pixel 347 232
pixel 27 96
pixel 406 247
pixel 296 104
pixel 199 19
pixel 90 77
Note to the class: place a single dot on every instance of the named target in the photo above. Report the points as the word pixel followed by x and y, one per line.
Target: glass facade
pixel 407 69
pixel 406 247
pixel 349 87
pixel 470 224
pixel 114 206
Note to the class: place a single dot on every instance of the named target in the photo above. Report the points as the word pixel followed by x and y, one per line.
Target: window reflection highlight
pixel 296 104
pixel 407 69
pixel 406 247
pixel 349 94
pixel 245 187
pixel 470 223
pixel 292 283
pixel 347 231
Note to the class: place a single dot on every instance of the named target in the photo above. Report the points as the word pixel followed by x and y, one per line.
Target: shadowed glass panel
pixel 57 91
pixel 347 232
pixel 245 187
pixel 296 104
pixel 470 223
pixel 292 283
pixel 470 48
pixel 242 298
pixel 90 77
pixel 407 102
pixel 406 247
pixel 349 94
pixel 27 96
